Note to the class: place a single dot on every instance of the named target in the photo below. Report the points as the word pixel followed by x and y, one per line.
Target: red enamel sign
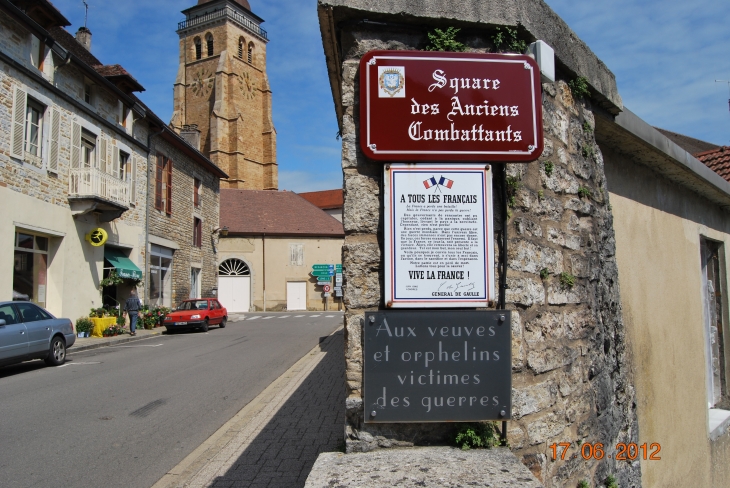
pixel 439 106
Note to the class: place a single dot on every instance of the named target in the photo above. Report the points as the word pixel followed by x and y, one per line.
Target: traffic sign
pixel 323 283
pixel 338 267
pixel 325 295
pixel 323 266
pixel 322 272
pixel 326 288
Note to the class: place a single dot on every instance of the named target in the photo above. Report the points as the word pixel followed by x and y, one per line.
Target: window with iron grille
pixel 240 48
pixel 250 53
pixel 198 48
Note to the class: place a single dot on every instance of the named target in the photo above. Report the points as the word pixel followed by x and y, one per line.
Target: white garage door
pixel 234 293
pixel 296 295
pixel 234 285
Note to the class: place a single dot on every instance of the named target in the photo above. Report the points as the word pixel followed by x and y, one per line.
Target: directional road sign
pixel 323 266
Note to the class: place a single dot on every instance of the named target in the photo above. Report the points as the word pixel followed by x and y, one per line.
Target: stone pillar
pixel 571 371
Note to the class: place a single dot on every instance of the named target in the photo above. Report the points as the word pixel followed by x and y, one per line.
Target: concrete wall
pixel 279 269
pixel 658 225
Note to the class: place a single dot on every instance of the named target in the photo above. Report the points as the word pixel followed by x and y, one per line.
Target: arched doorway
pixel 234 285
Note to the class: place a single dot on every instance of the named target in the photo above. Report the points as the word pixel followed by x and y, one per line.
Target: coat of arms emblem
pixel 391 82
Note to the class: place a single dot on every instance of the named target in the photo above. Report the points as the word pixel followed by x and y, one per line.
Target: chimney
pixel 191 134
pixel 83 36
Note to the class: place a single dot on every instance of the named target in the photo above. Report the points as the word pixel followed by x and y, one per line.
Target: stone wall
pixel 178 226
pixel 571 380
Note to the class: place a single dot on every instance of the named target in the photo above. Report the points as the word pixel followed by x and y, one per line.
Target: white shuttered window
pixel 296 252
pixel 53 156
pixel 17 132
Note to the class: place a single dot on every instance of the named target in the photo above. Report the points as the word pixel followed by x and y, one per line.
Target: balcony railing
pixel 229 13
pixel 91 182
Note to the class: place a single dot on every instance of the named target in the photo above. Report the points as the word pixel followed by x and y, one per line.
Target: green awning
pixel 124 266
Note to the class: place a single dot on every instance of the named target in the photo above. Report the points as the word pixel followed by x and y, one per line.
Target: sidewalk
pixel 275 439
pixel 86 343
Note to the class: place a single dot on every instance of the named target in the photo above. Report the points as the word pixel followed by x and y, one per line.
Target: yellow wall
pixel 658 225
pixel 279 269
pixel 74 266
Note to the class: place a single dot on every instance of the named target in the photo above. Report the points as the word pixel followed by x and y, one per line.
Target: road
pixel 122 416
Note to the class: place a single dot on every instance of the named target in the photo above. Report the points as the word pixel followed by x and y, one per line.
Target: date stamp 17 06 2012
pixel 624 451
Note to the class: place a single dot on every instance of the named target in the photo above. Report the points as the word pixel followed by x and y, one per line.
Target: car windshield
pixel 194 305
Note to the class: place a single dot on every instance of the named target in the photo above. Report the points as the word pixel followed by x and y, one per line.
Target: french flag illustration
pixel 446 182
pixel 430 182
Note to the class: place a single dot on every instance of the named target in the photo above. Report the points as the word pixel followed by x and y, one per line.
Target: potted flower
pixel 84 326
pixel 112 331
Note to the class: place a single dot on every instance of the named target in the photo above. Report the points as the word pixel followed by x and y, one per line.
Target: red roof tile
pixel 326 200
pixel 275 213
pixel 718 160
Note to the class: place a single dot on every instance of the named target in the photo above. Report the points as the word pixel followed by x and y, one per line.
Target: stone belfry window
pixel 198 48
pixel 209 42
pixel 250 52
pixel 240 48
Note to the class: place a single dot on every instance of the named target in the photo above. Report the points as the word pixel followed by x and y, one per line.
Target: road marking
pixel 314 315
pixel 298 316
pixel 74 363
pixel 142 345
pixel 267 318
pixel 254 317
pixel 285 316
pixel 328 316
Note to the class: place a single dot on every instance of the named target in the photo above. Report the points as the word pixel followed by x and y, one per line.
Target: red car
pixel 196 313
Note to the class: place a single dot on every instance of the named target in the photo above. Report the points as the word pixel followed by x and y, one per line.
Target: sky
pixel 665 54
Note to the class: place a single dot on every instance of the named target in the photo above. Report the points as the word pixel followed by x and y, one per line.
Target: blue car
pixel 29 332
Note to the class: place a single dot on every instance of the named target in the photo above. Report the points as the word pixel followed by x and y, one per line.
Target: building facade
pixel 222 91
pixel 78 158
pixel 274 239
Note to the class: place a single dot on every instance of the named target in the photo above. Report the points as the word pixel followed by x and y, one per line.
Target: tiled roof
pixel 718 160
pixel 116 74
pixel 69 42
pixel 689 144
pixel 326 200
pixel 275 213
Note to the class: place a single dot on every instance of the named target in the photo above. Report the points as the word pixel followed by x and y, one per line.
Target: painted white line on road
pixel 328 316
pixel 285 316
pixel 142 345
pixel 74 363
pixel 254 317
pixel 314 315
pixel 267 318
pixel 298 316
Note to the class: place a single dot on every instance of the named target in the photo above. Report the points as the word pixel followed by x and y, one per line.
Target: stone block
pixel 579 323
pixel 526 227
pixel 557 236
pixel 525 291
pixel 560 180
pixel 556 122
pixel 518 349
pixel 526 256
pixel 362 203
pixel 580 266
pixel 532 399
pixel 546 428
pixel 580 206
pixel 558 294
pixel 361 261
pixel 547 326
pixel 541 361
pixel 546 207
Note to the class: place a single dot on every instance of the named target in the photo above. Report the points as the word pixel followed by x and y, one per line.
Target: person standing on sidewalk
pixel 131 307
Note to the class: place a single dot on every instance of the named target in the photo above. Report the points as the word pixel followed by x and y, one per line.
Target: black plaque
pixel 437 366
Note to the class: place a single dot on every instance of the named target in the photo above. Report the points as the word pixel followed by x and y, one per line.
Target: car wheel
pixel 57 352
pixel 223 322
pixel 205 325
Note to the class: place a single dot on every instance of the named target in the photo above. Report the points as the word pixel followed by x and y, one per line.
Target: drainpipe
pixel 263 245
pixel 147 218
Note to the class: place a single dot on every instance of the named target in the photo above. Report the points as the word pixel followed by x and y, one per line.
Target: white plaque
pixel 439 241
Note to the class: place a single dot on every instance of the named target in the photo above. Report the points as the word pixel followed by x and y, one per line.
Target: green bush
pixel 549 168
pixel 439 40
pixel 579 87
pixel 474 435
pixel 507 41
pixel 567 280
pixel 84 324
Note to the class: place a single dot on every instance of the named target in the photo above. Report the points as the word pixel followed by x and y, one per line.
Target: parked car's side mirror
pixel 2 322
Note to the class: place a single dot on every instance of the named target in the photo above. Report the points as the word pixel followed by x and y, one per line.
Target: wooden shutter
pixel 55 118
pixel 133 179
pixel 117 170
pixel 196 191
pixel 168 202
pixel 103 154
pixel 76 145
pixel 158 183
pixel 17 136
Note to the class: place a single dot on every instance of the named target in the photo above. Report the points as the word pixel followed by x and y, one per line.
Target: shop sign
pixel 442 106
pixel 437 366
pixel 439 241
pixel 97 237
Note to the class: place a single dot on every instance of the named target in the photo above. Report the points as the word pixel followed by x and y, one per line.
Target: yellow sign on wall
pixel 97 237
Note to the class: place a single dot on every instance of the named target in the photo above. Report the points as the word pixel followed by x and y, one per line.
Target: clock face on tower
pixel 247 85
pixel 202 83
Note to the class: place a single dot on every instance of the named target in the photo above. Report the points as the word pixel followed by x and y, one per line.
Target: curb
pixel 110 342
pixel 202 462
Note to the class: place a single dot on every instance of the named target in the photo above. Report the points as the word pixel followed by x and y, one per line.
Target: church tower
pixel 222 99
